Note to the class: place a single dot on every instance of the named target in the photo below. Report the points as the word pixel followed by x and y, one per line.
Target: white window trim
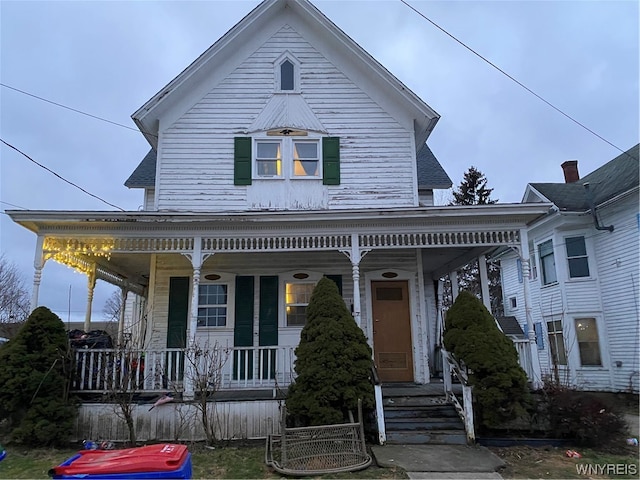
pixel 277 76
pixel 539 258
pixel 227 279
pixel 604 354
pixel 588 254
pixel 288 277
pixel 286 156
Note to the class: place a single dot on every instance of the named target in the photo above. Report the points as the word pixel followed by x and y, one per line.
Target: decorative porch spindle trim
pixel 390 240
pixel 279 243
pixel 173 244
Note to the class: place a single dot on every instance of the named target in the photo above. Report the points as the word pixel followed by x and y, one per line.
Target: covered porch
pixel 126 248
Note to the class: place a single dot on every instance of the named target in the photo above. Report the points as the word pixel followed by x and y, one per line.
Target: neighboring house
pixel 283 153
pixel 584 279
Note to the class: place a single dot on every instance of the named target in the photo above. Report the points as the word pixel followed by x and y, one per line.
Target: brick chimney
pixel 570 169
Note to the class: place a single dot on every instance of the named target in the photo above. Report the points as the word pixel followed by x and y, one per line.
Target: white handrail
pixel 465 407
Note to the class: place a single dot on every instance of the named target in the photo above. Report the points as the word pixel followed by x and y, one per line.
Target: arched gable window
pixel 287 73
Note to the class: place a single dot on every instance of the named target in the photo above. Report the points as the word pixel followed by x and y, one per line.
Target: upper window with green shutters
pixel 287 155
pixel 287 158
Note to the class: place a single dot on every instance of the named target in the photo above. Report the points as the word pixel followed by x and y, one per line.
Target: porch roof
pixel 121 243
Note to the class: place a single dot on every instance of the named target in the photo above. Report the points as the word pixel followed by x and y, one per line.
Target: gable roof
pixel 144 176
pixel 244 33
pixel 431 175
pixel 614 178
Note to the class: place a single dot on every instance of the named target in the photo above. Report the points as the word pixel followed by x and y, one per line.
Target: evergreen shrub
pixel 34 381
pixel 333 363
pixel 500 386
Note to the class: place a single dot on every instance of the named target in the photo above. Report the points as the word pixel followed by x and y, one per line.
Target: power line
pixel 69 108
pixel 511 77
pixel 60 176
pixel 12 205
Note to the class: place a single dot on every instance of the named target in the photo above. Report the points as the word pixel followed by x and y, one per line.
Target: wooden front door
pixel 392 331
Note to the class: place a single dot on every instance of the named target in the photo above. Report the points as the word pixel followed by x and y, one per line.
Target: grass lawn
pixel 551 462
pixel 247 461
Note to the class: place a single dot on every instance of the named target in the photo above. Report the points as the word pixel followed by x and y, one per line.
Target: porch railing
pixel 169 369
pixel 523 347
pixel 464 405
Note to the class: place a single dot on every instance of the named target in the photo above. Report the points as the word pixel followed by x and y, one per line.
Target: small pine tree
pixel 499 383
pixel 34 379
pixel 473 189
pixel 333 362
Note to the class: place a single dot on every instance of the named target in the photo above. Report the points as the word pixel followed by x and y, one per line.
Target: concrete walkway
pixel 440 461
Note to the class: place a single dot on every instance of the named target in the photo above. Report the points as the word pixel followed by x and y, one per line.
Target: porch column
pixel 91 285
pixel 356 255
pixel 189 371
pixel 196 262
pixel 123 305
pixel 439 311
pixel 484 282
pixel 535 360
pixel 38 265
pixel 453 276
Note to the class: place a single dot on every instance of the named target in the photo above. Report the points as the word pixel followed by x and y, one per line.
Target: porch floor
pixel 433 389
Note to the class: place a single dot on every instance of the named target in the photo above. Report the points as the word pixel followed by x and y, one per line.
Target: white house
pixel 283 153
pixel 584 278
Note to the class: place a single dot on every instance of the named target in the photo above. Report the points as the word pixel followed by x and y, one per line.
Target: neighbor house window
pixel 547 262
pixel 588 343
pixel 212 305
pixel 556 342
pixel 297 299
pixel 577 257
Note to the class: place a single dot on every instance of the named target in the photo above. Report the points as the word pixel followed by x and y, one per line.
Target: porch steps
pixel 420 414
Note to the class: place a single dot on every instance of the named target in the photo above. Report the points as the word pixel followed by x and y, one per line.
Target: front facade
pixel 283 154
pixel 584 277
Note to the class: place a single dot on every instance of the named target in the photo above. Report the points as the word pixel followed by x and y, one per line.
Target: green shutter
pixel 337 279
pixel 242 161
pixel 177 327
pixel 268 323
pixel 178 312
pixel 331 161
pixel 243 329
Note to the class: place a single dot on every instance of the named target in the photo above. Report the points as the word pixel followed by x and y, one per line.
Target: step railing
pixel 377 390
pixel 464 405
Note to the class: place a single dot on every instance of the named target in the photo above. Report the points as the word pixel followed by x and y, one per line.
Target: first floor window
pixel 588 343
pixel 297 299
pixel 212 305
pixel 547 262
pixel 577 257
pixel 556 342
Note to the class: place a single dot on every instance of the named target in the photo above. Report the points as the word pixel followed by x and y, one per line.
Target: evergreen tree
pixel 499 383
pixel 333 362
pixel 473 190
pixel 34 379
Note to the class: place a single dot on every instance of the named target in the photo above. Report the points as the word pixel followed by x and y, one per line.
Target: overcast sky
pixel 108 58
